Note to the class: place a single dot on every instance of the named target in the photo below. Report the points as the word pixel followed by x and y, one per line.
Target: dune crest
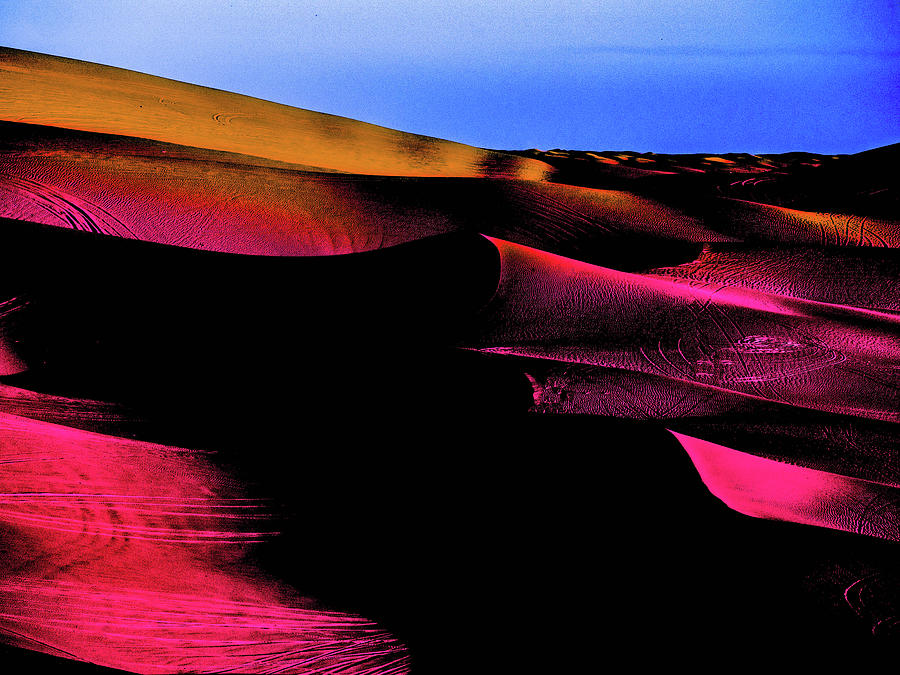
pixel 55 91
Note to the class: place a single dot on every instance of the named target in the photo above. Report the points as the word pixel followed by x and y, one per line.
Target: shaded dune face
pixel 217 312
pixel 765 222
pixel 204 318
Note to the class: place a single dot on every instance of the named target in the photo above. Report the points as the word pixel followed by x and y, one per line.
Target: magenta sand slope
pixel 286 392
pixel 129 554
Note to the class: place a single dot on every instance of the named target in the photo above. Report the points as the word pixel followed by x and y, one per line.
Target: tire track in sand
pixel 71 211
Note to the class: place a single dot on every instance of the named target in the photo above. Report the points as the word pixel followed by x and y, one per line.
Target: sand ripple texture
pixel 234 274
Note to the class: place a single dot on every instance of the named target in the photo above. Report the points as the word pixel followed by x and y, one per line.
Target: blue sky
pixel 644 75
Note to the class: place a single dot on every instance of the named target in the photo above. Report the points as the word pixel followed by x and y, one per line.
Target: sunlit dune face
pixel 209 206
pixel 93 516
pixel 172 195
pixel 58 92
pixel 793 272
pixel 602 159
pixel 765 488
pixel 741 340
pixel 719 160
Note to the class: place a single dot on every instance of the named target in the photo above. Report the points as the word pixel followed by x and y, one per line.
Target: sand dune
pixel 40 89
pixel 764 222
pixel 89 584
pixel 158 192
pixel 222 318
pixel 764 488
pixel 805 272
pixel 831 358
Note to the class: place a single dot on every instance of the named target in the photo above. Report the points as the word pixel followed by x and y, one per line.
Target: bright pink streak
pixel 766 488
pixel 132 555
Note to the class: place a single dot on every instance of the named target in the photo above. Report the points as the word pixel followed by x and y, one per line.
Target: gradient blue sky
pixel 645 75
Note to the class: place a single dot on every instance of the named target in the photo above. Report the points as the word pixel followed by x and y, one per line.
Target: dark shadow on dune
pixel 20 660
pixel 125 320
pixel 521 544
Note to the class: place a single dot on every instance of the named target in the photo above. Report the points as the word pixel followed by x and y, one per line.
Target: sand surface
pixel 287 392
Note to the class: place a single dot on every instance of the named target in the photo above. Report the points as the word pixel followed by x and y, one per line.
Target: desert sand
pixel 284 391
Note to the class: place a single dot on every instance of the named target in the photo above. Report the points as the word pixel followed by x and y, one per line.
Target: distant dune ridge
pixel 183 265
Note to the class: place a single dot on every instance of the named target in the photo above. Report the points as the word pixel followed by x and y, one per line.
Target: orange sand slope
pixel 182 196
pixel 42 89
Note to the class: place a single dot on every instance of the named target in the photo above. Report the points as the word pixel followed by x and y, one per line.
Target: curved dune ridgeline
pixel 265 372
pixel 219 201
pixel 48 90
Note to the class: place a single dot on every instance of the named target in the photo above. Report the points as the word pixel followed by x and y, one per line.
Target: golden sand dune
pixel 719 160
pixel 54 91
